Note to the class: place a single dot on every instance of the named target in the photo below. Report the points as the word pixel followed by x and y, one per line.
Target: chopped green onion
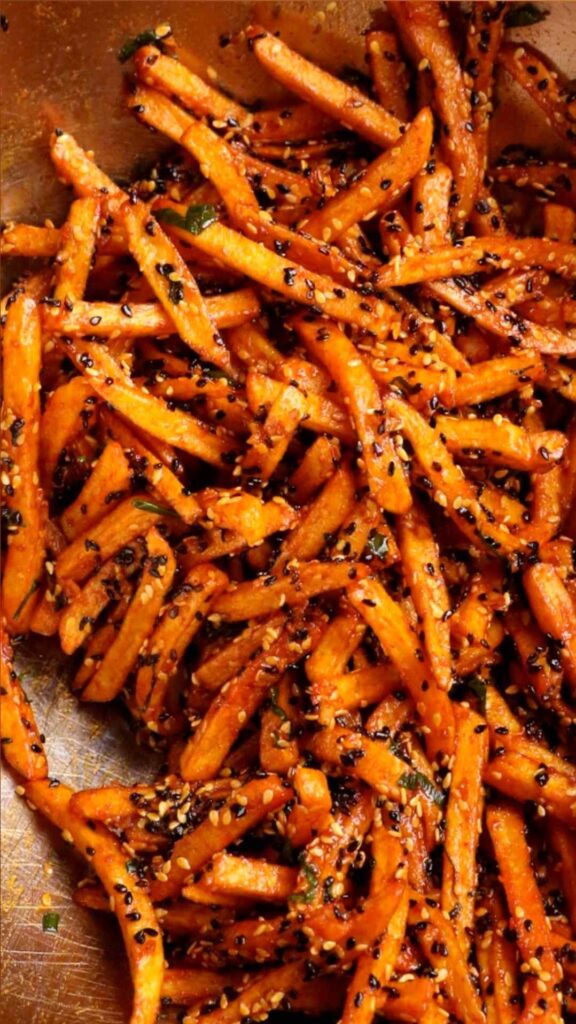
pixel 146 38
pixel 196 219
pixel 50 921
pixel 521 15
pixel 416 780
pixel 377 544
pixel 151 506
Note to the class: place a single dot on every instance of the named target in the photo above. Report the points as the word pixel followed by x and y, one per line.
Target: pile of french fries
pixel 289 464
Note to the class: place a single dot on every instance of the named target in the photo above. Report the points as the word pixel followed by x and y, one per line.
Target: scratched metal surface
pixel 58 68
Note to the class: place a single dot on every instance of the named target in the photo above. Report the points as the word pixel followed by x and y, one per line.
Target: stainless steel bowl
pixel 58 67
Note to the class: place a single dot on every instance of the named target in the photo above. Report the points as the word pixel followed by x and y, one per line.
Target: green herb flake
pixel 311 880
pixel 275 706
pixel 50 921
pixel 416 780
pixel 146 38
pixel 25 599
pixel 132 867
pixel 520 15
pixel 196 219
pixel 151 506
pixel 478 687
pixel 377 544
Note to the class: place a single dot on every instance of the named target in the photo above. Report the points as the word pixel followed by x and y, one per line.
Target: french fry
pixel 464 824
pixel 323 415
pixel 321 519
pixel 485 594
pixel 173 77
pixel 241 697
pixel 420 557
pixel 506 827
pixel 563 843
pixel 175 288
pixel 69 411
pixel 244 256
pixel 333 97
pixel 185 985
pixel 106 538
pixel 102 319
pixel 436 937
pixel 317 464
pixel 293 586
pixel 22 744
pixel 497 377
pixel 157 575
pixel 139 927
pixel 259 798
pixel 24 562
pixel 99 644
pixel 550 180
pixel 246 876
pixel 331 347
pixel 30 240
pixel 559 223
pixel 109 380
pixel 380 187
pixel 77 244
pixel 153 467
pixel 312 814
pixel 389 74
pixel 182 618
pixel 388 621
pixel 253 518
pixel 361 997
pixel 107 484
pixel 79 616
pixel 503 443
pixel 554 612
pixel 483 41
pixel 250 344
pixel 523 779
pixel 430 205
pixel 341 638
pixel 528 68
pixel 365 758
pixel 269 441
pixel 507 733
pixel 227 662
pixel 451 489
pixel 419 27
pixel 480 255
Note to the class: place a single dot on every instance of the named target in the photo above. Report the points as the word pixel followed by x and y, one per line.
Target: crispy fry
pixel 103 319
pixel 176 289
pixel 269 442
pixel 296 283
pixel 430 205
pixel 77 243
pixel 503 443
pixel 506 828
pixel 227 662
pixel 518 776
pixel 343 360
pixel 361 997
pixel 241 697
pixel 293 586
pixel 30 240
pixel 342 102
pixel 389 73
pixel 321 519
pixel 389 623
pixel 423 575
pixel 245 876
pixel 317 464
pixel 180 621
pixel 141 933
pixel 106 538
pixel 279 750
pixel 437 936
pixel 259 798
pixel 554 611
pixel 69 411
pixel 79 616
pixel 173 77
pixel 463 824
pixel 107 484
pixel 24 561
pixel 422 28
pixel 109 380
pixel 155 582
pixel 380 187
pixel 322 414
pixel 22 744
